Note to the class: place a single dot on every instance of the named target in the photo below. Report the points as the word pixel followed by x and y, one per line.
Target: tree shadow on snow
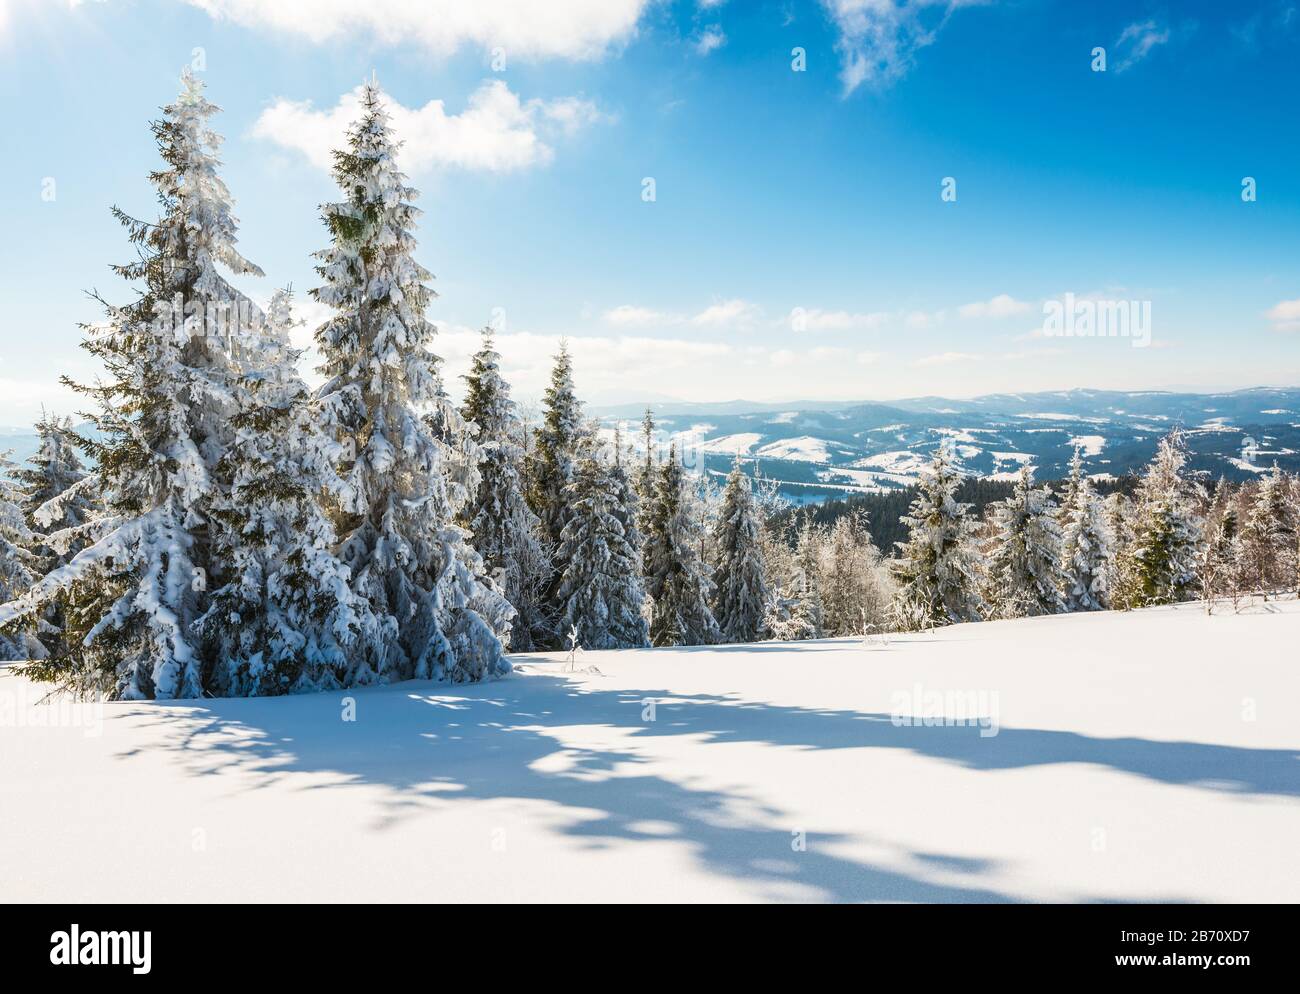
pixel 434 744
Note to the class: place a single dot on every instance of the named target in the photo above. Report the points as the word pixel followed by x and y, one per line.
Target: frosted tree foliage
pixel 134 595
pixel 1269 536
pixel 505 530
pixel 1085 544
pixel 18 566
pixel 285 619
pixel 559 439
pixel 398 537
pixel 1159 564
pixel 741 596
pixel 677 580
pixel 855 587
pixel 1025 576
pixel 936 578
pixel 59 498
pixel 796 611
pixel 601 593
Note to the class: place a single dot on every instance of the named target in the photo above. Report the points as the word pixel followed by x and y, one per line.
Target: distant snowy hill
pixel 822 450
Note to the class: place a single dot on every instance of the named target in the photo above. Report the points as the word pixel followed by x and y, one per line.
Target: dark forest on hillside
pixel 884 510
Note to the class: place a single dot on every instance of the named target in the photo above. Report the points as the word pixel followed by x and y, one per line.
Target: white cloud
pixel 629 315
pixel 496 131
pixel 727 312
pixel 924 319
pixel 1001 306
pixel 735 313
pixel 710 39
pixel 879 39
pixel 814 319
pixel 1136 42
pixel 1285 315
pixel 604 366
pixel 569 29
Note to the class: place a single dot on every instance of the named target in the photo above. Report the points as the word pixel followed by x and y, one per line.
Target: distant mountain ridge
pixel 822 449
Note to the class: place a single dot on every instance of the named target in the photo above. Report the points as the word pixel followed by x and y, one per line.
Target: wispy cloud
pixel 879 39
pixel 1285 315
pixel 727 312
pixel 1001 306
pixel 721 314
pixel 710 39
pixel 815 320
pixel 496 131
pixel 569 29
pixel 1136 42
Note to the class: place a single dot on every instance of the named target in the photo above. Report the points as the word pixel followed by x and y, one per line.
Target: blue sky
pixel 797 245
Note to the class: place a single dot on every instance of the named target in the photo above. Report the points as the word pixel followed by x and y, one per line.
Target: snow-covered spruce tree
pixel 936 577
pixel 1159 563
pixel 600 592
pixel 133 596
pixel 59 499
pixel 646 477
pixel 1085 543
pixel 505 531
pixel 285 619
pixel 407 557
pixel 1222 568
pixel 795 610
pixel 1117 512
pixel 1024 567
pixel 855 587
pixel 1269 535
pixel 57 491
pixel 740 596
pixel 555 454
pixel 627 502
pixel 676 578
pixel 18 566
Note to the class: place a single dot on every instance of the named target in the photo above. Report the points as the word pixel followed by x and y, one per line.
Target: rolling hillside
pixel 818 451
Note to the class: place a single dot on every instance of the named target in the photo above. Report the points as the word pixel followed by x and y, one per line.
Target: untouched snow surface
pixel 1144 756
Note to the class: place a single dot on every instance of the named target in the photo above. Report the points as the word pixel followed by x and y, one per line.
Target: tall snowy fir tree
pixel 134 595
pixel 626 506
pixel 559 438
pixel 1223 561
pixel 407 556
pixel 59 499
pixel 1269 535
pixel 855 587
pixel 647 477
pixel 18 567
pixel 1159 564
pixel 600 592
pixel 796 610
pixel 677 580
pixel 285 620
pixel 936 578
pixel 1085 544
pixel 1024 567
pixel 505 531
pixel 740 591
pixel 58 492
